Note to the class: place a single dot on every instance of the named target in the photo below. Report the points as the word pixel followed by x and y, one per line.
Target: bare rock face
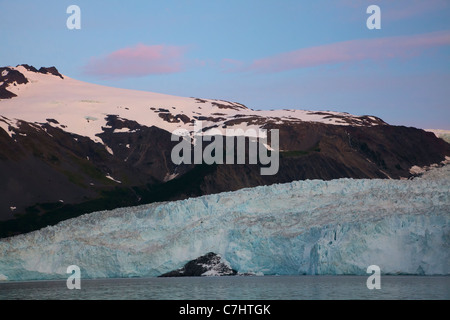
pixel 10 77
pixel 210 264
pixel 51 70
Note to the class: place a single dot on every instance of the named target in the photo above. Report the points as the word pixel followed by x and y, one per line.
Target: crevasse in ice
pixel 304 227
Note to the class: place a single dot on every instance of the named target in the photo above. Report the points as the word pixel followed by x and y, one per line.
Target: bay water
pixel 233 288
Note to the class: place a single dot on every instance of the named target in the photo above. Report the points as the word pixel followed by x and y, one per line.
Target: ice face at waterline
pixel 304 227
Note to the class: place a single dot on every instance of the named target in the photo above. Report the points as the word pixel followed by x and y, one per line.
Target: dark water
pixel 234 288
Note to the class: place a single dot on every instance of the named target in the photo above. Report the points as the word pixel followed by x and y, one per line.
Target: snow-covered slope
pixel 81 108
pixel 443 134
pixel 304 227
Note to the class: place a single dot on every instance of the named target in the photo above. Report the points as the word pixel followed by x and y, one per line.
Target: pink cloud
pixel 350 51
pixel 140 60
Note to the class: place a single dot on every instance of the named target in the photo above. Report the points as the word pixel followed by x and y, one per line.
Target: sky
pixel 266 54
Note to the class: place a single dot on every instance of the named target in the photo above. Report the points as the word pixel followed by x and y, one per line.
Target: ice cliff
pixel 304 227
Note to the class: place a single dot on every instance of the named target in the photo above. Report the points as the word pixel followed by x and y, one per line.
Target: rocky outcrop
pixel 51 70
pixel 210 264
pixel 43 70
pixel 10 77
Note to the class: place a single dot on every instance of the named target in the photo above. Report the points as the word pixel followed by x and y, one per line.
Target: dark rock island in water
pixel 210 264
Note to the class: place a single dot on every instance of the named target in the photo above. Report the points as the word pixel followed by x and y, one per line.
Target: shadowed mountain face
pixel 49 173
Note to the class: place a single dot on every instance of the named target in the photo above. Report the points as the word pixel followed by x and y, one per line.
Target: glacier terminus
pixel 313 227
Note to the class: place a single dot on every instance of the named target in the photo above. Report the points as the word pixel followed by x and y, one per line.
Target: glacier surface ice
pixel 303 227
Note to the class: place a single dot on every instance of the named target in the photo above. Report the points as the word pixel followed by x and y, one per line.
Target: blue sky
pixel 316 55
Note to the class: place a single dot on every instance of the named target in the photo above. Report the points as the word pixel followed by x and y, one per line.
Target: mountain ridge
pixel 69 147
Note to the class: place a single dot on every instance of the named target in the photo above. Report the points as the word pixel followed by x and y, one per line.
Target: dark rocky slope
pixel 50 175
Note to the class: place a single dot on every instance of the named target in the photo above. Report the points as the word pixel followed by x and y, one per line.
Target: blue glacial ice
pixel 304 227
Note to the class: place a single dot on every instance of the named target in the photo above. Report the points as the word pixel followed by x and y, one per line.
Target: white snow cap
pixel 82 108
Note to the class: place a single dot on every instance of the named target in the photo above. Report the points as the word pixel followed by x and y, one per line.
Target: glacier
pixel 316 227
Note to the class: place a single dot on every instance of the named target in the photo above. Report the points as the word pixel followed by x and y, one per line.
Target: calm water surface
pixel 234 288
